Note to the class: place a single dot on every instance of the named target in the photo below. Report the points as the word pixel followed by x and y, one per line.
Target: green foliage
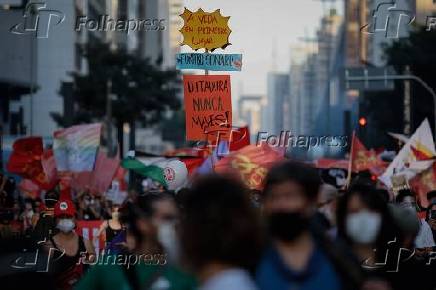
pixel 142 90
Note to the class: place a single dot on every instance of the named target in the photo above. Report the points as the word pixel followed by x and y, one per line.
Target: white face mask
pixel 363 227
pixel 167 236
pixel 65 225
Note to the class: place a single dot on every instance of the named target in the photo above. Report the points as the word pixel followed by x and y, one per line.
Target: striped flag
pixel 75 148
pixel 89 231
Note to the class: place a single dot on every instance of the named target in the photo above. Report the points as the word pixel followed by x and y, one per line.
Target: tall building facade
pixel 250 113
pixel 277 96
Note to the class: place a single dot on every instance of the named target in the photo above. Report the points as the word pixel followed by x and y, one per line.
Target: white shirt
pixel 230 279
pixel 424 239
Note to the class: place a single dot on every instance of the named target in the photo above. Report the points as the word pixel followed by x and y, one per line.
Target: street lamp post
pixel 399 77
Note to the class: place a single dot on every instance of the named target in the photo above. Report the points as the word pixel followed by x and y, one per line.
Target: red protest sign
pixel 208 106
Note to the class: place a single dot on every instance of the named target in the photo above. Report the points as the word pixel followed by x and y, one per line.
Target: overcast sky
pixel 259 27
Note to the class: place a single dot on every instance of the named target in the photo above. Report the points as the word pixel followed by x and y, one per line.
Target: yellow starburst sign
pixel 208 30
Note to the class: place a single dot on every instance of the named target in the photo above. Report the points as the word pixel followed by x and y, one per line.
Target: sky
pixel 260 27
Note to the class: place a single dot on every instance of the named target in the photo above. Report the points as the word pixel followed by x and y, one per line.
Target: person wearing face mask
pixel 365 224
pixel 299 256
pixel 424 240
pixel 146 266
pixel 165 216
pixel 66 247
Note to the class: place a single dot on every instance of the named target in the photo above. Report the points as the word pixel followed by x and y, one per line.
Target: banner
pixel 89 231
pixel 208 106
pixel 208 30
pixel 75 148
pixel 251 163
pixel 209 61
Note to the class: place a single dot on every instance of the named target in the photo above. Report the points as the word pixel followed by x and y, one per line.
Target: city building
pixel 250 113
pixel 277 95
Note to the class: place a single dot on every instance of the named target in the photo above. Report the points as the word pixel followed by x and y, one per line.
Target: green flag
pixel 154 172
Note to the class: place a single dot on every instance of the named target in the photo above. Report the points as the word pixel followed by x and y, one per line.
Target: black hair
pixel 50 198
pixel 384 194
pixel 298 172
pixel 403 193
pixel 147 200
pixel 431 194
pixel 429 210
pixel 219 224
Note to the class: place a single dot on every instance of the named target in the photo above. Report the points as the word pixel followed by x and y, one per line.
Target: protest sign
pixel 208 106
pixel 209 61
pixel 208 30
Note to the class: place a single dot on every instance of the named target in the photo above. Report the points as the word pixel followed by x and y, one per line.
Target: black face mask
pixel 287 226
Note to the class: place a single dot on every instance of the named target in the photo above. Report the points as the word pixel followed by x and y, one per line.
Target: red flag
pixel 363 159
pixel 192 163
pixel 239 138
pixel 25 159
pixel 326 163
pixel 250 163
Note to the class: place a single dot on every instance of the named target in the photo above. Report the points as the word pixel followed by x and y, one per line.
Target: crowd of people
pixel 297 233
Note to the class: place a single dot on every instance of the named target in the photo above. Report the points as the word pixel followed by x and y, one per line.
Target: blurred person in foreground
pixel 299 256
pixel 220 233
pixel 165 217
pixel 364 222
pixel 65 248
pixel 143 265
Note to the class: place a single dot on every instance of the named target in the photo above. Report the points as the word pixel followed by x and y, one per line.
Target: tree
pixel 143 92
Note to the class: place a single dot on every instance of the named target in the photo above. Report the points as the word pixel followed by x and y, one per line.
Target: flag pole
pixel 350 162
